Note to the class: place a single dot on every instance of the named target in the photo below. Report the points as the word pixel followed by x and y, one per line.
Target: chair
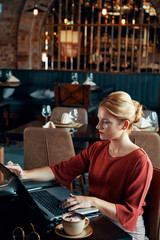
pixel 58 111
pixel 82 117
pixel 1 161
pixel 46 146
pixel 72 95
pixel 152 209
pixel 150 142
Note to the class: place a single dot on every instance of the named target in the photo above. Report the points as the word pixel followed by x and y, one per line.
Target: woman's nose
pixel 98 126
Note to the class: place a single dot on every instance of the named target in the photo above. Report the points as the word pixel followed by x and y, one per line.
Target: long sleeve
pixel 134 195
pixel 66 171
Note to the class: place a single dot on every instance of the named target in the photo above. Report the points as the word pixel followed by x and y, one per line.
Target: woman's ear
pixel 125 124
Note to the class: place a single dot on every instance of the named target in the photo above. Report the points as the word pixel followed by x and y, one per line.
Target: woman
pixel 119 171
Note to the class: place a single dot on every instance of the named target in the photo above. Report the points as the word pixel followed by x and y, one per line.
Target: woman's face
pixel 109 127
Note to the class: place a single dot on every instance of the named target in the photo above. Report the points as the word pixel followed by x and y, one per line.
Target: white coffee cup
pixel 74 223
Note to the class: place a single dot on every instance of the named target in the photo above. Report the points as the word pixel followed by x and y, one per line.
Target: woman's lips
pixel 100 133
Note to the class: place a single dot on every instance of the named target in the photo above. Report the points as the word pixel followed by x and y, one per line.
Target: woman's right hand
pixel 38 174
pixel 16 169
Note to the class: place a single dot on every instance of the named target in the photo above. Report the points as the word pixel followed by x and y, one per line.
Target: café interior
pixel 58 61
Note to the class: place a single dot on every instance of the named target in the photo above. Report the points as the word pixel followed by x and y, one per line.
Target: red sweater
pixel 120 180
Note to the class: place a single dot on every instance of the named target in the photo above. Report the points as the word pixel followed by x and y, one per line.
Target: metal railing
pixel 77 36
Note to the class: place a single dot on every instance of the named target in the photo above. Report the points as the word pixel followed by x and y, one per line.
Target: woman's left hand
pixel 75 201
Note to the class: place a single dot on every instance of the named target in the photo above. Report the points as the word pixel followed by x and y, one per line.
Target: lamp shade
pixel 32 9
pixel 35 10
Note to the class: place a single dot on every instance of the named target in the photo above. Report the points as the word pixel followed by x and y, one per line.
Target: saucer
pixel 86 232
pixel 60 123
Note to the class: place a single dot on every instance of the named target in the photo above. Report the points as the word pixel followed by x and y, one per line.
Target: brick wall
pixel 20 33
pixel 9 20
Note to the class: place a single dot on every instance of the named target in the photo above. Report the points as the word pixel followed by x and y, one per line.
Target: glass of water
pixel 74 77
pixel 73 114
pixel 151 117
pixel 46 112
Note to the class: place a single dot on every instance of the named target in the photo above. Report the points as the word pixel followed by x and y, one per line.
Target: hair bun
pixel 138 111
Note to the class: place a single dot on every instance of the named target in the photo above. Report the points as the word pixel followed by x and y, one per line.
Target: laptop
pixel 43 201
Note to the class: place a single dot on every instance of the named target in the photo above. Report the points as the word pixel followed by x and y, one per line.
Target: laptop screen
pixel 15 183
pixel 35 204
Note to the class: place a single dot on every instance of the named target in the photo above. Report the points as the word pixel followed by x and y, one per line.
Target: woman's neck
pixel 122 146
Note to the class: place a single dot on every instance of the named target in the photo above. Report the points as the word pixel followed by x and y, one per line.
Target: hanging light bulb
pixel 46 40
pixel 113 19
pixel 123 21
pixel 106 19
pixel 35 10
pixel 66 20
pixel 133 21
pixel 44 57
pixel 104 10
pixel 87 3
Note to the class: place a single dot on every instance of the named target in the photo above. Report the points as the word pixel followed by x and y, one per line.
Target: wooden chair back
pixel 152 208
pixel 72 95
pixel 47 146
pixel 1 161
pixel 150 142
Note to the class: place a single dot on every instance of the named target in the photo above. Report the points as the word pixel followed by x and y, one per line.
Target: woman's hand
pixel 38 174
pixel 15 168
pixel 74 202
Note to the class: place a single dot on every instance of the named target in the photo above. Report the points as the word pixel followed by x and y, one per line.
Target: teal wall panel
pixel 143 87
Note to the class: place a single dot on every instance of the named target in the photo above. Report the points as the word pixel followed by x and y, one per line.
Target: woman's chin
pixel 102 137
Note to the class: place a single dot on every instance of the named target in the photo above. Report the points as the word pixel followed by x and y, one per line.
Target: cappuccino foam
pixel 73 218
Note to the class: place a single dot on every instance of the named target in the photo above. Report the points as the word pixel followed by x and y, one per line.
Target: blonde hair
pixel 120 105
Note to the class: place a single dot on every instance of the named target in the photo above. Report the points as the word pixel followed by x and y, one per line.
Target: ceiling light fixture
pixel 104 10
pixel 66 20
pixel 35 10
pixel 123 21
pixel 133 21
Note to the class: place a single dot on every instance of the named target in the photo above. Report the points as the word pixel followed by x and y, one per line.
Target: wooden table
pixel 86 133
pixel 9 84
pixel 103 229
pixel 15 212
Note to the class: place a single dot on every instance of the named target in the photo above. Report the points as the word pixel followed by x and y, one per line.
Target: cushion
pixel 42 94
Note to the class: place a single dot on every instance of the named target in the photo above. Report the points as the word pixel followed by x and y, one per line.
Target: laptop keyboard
pixel 48 201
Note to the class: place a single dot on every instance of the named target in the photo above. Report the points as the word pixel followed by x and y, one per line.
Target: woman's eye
pixel 105 122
